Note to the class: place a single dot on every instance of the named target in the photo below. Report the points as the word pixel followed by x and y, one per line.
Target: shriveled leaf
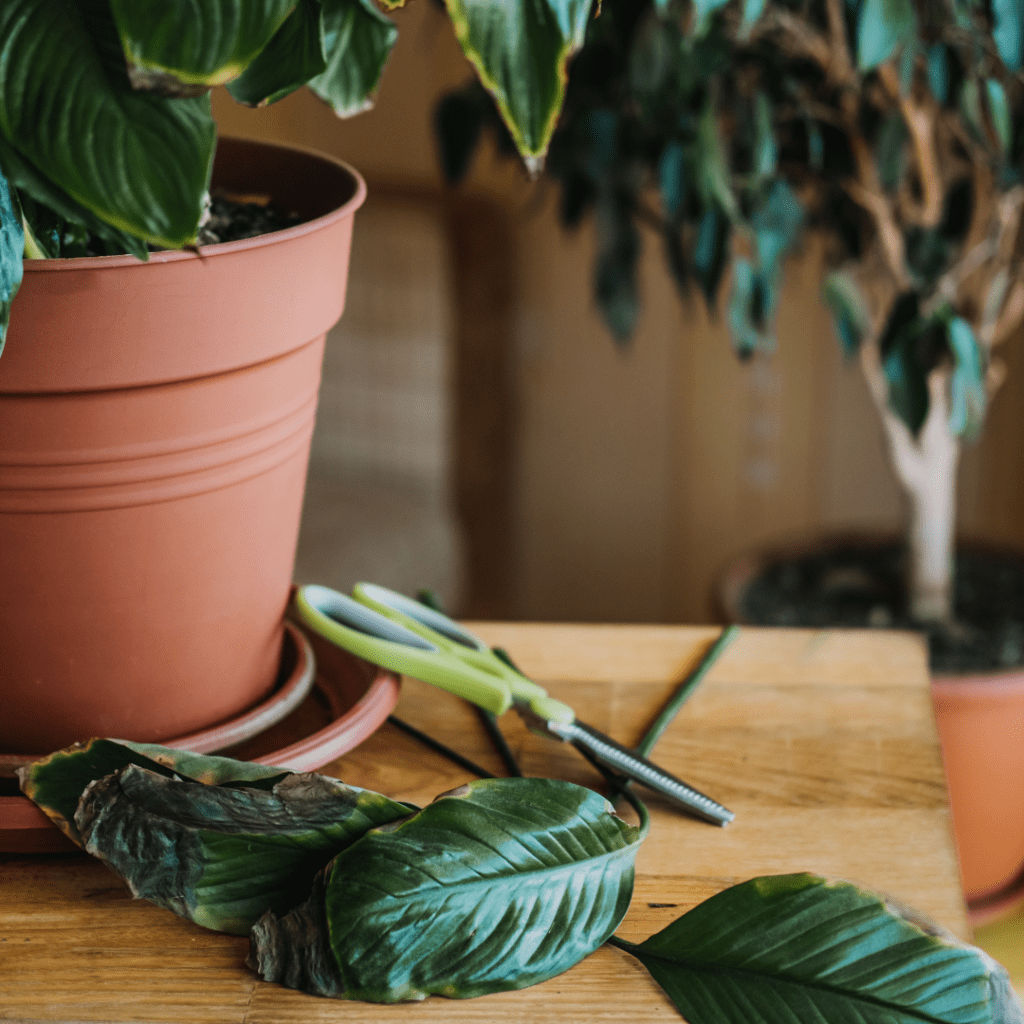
pixel 357 40
pixel 521 49
pixel 12 247
pixel 849 310
pixel 804 948
pixel 222 857
pixel 968 397
pixel 174 43
pixel 57 782
pixel 498 885
pixel 883 26
pixel 294 55
pixel 143 165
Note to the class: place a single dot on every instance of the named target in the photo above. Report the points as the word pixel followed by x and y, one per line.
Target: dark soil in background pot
pixel 859 585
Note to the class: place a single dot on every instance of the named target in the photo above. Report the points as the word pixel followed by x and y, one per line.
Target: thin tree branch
pixel 920 117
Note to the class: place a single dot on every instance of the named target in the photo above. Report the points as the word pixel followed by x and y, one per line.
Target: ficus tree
pixel 893 127
pixel 106 136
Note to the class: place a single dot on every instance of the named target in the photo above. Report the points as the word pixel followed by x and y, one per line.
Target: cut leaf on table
pixel 220 856
pixel 810 949
pixel 497 885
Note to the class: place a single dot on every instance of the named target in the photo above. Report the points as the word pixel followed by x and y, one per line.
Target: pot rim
pixel 220 248
pixel 742 567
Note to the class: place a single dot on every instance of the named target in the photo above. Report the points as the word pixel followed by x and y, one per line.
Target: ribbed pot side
pixel 155 421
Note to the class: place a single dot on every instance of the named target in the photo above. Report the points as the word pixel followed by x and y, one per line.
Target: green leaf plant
pixel 497 885
pixel 106 136
pixel 893 128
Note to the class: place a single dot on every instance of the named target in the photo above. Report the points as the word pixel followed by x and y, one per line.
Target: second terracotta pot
pixel 155 421
pixel 980 721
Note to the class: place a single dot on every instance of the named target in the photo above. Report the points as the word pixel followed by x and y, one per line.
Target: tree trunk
pixel 926 467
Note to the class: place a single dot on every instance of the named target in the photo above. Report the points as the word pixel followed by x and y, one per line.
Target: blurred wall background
pixel 621 481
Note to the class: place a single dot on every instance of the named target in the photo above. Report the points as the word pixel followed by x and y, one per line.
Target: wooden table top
pixel 823 743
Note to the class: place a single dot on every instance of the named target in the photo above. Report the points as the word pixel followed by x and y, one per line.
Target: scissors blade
pixel 621 759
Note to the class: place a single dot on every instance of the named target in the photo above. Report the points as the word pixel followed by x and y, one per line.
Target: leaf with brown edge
pixel 56 782
pixel 223 856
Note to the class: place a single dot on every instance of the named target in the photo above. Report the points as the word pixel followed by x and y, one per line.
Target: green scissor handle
pixel 400 634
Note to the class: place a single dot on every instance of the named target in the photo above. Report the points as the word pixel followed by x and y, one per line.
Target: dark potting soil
pixel 232 219
pixel 857 585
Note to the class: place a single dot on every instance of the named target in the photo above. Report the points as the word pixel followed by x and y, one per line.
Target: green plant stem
pixel 614 940
pixel 684 691
pixel 490 723
pixel 619 786
pixel 440 748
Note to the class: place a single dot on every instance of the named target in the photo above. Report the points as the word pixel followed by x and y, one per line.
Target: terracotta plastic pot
pixel 980 721
pixel 155 421
pixel 981 725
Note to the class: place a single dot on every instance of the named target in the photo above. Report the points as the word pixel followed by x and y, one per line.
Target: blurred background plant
pixel 732 127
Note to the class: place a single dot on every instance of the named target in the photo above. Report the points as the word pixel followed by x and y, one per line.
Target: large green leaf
pixel 223 856
pixel 139 162
pixel 799 948
pixel 289 60
pixel 57 782
pixel 12 247
pixel 169 43
pixel 357 41
pixel 34 186
pixel 498 885
pixel 883 26
pixel 521 49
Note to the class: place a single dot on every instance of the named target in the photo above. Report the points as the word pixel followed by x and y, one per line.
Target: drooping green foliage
pixel 357 39
pixel 804 948
pixel 498 885
pixel 175 44
pixel 138 162
pixel 731 126
pixel 105 126
pixel 520 49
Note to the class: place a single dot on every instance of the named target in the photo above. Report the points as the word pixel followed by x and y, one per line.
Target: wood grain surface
pixel 823 743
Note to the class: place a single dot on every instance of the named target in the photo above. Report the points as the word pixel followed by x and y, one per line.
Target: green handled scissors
pixel 400 634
